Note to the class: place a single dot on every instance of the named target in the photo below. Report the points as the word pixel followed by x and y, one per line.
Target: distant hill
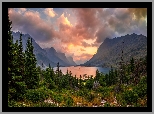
pixel 110 51
pixel 45 56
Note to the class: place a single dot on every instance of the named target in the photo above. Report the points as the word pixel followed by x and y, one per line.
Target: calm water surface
pixel 83 70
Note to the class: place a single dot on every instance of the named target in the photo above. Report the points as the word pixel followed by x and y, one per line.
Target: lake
pixel 80 70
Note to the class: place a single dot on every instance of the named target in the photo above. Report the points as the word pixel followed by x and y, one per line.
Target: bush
pixel 36 95
pixel 141 88
pixel 69 101
pixel 83 92
pixel 104 90
pixel 130 96
pixel 89 84
pixel 58 98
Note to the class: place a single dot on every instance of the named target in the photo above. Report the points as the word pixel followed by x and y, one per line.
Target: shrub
pixel 104 90
pixel 141 88
pixel 83 92
pixel 89 84
pixel 36 95
pixel 58 98
pixel 130 96
pixel 69 101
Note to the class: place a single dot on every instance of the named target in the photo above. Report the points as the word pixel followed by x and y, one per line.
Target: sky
pixel 77 32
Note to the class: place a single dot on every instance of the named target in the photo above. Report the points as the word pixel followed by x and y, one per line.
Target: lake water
pixel 83 70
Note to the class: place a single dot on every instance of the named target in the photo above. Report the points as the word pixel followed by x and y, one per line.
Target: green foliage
pixel 58 98
pixel 31 74
pixel 132 64
pixel 69 101
pixel 141 88
pixel 36 95
pixel 130 96
pixel 104 90
pixel 89 84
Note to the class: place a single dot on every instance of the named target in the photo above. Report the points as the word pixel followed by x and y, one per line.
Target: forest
pixel 31 86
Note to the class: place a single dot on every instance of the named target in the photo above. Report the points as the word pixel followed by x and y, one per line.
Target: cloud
pixel 139 12
pixel 82 58
pixel 22 10
pixel 30 22
pixel 103 33
pixel 49 12
pixel 82 49
pixel 64 20
pixel 84 44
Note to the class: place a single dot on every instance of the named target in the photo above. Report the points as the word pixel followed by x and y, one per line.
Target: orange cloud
pixel 49 12
pixel 64 20
pixel 82 49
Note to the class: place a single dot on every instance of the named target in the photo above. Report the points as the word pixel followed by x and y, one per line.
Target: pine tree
pixel 80 81
pixel 97 75
pixel 58 69
pixel 132 64
pixel 31 74
pixel 10 54
pixel 16 84
pixel 21 57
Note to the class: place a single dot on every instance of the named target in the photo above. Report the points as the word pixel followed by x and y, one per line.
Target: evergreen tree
pixel 58 69
pixel 21 57
pixel 132 64
pixel 16 85
pixel 97 75
pixel 10 54
pixel 31 75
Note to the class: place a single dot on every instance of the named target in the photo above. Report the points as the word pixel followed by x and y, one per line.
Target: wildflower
pixel 103 101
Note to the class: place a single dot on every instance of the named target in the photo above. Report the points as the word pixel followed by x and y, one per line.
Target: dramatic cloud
pixel 139 12
pixel 49 12
pixel 78 31
pixel 30 22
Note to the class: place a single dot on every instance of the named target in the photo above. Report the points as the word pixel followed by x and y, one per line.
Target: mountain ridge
pixel 109 52
pixel 45 56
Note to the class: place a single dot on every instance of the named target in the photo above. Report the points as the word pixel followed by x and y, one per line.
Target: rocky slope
pixel 110 50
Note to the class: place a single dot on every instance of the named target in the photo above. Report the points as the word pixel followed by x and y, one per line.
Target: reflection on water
pixel 87 71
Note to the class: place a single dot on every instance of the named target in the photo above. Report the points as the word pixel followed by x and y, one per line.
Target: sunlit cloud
pixel 49 12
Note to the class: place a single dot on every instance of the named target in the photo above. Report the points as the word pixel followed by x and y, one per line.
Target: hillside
pixel 110 50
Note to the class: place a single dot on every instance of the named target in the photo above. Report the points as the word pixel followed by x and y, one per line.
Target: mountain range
pixel 47 55
pixel 110 51
pixel 108 54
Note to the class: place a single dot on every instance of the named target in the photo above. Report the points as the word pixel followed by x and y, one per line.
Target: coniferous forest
pixel 31 86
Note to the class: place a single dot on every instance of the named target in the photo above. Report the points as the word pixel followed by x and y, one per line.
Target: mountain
pixel 70 59
pixel 45 56
pixel 110 51
pixel 41 54
pixel 56 57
